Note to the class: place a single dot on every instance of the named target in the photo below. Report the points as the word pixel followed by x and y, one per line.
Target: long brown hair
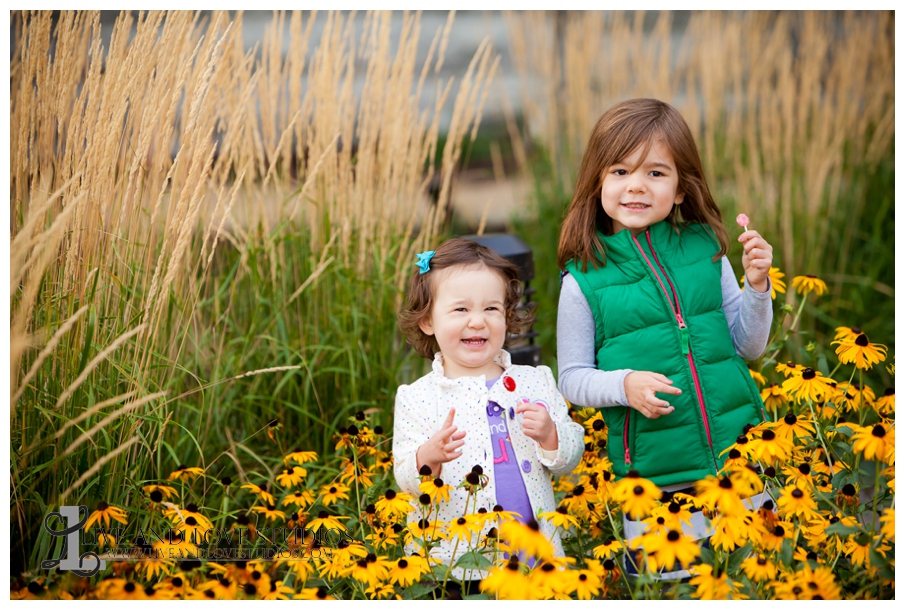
pixel 622 129
pixel 419 300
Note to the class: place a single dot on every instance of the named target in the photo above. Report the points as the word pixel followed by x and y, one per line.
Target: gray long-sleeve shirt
pixel 749 313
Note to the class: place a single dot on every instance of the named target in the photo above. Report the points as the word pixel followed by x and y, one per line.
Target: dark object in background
pixel 513 249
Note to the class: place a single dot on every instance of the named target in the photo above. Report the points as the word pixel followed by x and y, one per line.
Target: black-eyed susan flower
pixel 773 396
pixel 371 570
pixel 243 522
pixel 854 395
pixel 585 583
pixel 710 584
pixel 463 528
pixel 185 473
pixel 381 591
pixel 527 537
pixel 776 281
pixel 669 548
pixel 278 591
pixel 290 477
pixel 436 489
pixel 770 447
pixel 772 536
pixel 152 563
pixel 811 385
pixel 270 512
pixel 877 442
pixel 792 426
pixel 796 502
pixel 733 531
pixel 607 549
pixel 104 513
pixel 595 425
pixel 408 570
pixel 847 496
pixel 349 472
pixel 548 581
pixel 757 377
pixel 261 492
pixel 806 284
pixel 300 457
pixel 325 519
pixel 789 368
pixel 758 568
pixel 502 515
pixel 273 428
pixel 313 593
pixel 638 496
pixel 860 351
pixel 579 499
pixel 809 583
pixel 475 480
pixel 300 499
pixel 507 582
pixel 886 404
pixel 158 493
pixel 560 518
pixel 720 494
pixel 394 504
pixel 119 588
pixel 333 493
pixel 191 511
pixel 383 537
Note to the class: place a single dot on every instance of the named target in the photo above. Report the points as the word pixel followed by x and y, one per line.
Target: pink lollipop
pixel 742 220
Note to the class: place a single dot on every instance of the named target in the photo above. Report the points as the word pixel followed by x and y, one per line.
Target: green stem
pixel 624 547
pixel 788 332
pixel 829 456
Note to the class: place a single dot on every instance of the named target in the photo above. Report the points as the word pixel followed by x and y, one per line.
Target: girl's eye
pixel 656 174
pixel 620 172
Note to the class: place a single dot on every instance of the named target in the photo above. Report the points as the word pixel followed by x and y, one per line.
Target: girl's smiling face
pixel 468 320
pixel 637 192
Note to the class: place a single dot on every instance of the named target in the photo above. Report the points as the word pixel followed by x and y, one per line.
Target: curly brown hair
pixel 419 300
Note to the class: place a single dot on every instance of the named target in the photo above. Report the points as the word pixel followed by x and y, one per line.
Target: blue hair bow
pixel 424 261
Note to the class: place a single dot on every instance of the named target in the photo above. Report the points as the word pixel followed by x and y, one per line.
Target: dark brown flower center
pixel 879 431
pixel 861 340
pixel 808 374
pixel 790 419
pixel 726 483
pixel 797 493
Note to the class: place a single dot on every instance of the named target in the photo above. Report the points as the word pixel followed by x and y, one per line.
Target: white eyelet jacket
pixel 422 407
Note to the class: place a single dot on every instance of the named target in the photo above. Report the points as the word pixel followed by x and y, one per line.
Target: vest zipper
pixel 628 455
pixel 673 296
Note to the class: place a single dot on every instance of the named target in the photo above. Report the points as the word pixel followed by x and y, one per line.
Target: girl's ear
pixel 426 326
pixel 680 197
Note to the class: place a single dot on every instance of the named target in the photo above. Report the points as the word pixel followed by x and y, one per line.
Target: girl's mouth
pixel 474 341
pixel 635 206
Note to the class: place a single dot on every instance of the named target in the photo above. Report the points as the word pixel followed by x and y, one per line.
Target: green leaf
pixel 707 556
pixel 418 590
pixel 473 561
pixel 822 365
pixel 785 555
pixel 841 529
pixel 737 557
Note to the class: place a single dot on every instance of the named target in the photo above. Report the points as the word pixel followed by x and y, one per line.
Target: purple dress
pixel 510 488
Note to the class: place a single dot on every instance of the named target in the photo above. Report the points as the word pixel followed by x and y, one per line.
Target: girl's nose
pixel 635 183
pixel 476 320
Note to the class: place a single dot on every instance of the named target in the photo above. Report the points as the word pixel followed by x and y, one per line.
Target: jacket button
pixel 511 413
pixel 526 465
pixel 509 383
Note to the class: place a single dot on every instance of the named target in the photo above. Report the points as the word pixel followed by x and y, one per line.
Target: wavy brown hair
pixel 419 300
pixel 622 129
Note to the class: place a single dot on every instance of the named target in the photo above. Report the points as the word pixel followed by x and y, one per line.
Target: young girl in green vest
pixel 652 326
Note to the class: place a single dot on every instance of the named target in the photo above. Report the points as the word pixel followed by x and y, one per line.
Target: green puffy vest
pixel 657 306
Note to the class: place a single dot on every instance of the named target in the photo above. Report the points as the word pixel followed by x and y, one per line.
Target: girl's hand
pixel 538 425
pixel 757 260
pixel 442 447
pixel 641 388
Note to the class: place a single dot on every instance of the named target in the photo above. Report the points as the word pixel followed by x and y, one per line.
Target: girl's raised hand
pixel 538 425
pixel 641 388
pixel 442 447
pixel 757 260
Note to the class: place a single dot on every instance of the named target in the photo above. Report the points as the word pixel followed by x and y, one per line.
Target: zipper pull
pixel 683 333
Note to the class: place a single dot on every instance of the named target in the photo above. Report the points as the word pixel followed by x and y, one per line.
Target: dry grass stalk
pixel 96 467
pixel 131 406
